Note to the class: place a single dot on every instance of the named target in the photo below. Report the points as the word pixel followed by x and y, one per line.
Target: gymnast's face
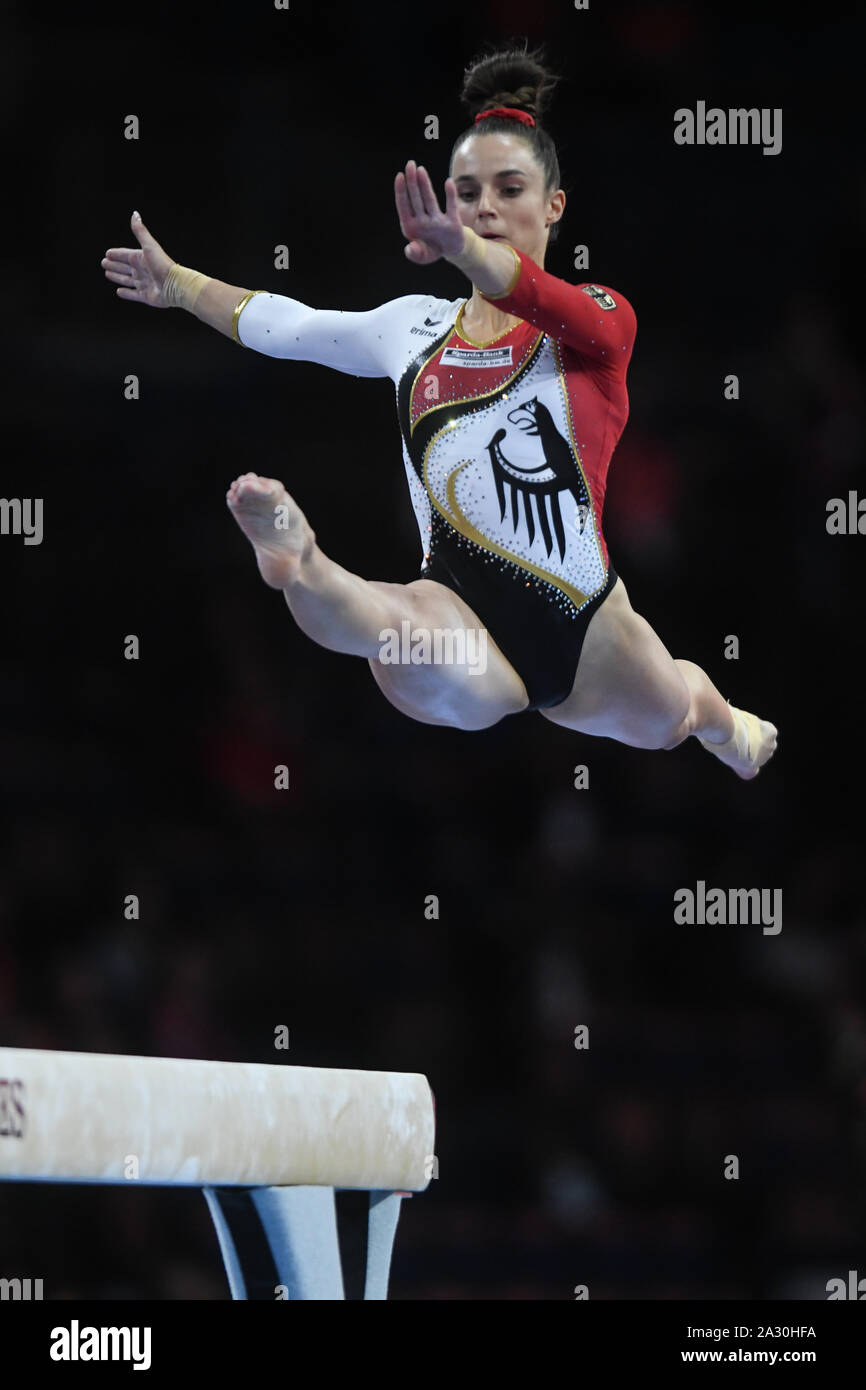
pixel 500 191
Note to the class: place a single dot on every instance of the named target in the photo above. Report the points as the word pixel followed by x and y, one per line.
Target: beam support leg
pixel 381 1229
pixel 278 1236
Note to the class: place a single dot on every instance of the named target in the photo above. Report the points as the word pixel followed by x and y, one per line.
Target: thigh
pixel 459 676
pixel 627 685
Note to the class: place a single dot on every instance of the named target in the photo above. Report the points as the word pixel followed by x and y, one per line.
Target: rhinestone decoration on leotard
pixel 459 426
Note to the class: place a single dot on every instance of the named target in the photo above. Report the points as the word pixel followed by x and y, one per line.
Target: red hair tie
pixel 509 112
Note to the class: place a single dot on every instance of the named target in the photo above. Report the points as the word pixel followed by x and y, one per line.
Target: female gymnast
pixel 510 404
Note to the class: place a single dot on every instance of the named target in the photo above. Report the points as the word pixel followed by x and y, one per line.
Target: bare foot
pixel 273 522
pixel 752 745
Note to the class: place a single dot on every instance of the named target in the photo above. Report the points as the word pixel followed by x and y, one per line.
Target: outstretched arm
pixel 273 324
pixel 142 275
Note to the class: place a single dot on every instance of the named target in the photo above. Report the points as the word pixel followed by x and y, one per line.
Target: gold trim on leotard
pixel 458 328
pixel 239 308
pixel 459 400
pixel 461 523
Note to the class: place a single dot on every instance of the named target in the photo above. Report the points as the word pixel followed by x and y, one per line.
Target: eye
pixel 467 194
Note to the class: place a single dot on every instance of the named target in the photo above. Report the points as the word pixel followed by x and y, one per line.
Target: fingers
pixel 417 191
pixel 418 210
pixel 404 207
pixel 410 184
pixel 426 192
pixel 124 268
pixel 118 270
pixel 420 253
pixel 125 273
pixel 122 254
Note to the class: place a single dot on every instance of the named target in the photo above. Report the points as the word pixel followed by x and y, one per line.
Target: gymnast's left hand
pixel 432 233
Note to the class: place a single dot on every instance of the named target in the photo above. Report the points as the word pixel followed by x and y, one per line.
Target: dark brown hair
pixel 513 76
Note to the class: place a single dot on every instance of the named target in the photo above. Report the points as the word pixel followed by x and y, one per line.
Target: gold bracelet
pixel 182 287
pixel 239 308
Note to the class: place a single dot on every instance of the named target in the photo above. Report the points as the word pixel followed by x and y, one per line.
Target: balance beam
pixel 268 1145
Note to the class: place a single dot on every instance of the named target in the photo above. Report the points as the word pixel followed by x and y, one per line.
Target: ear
pixel 557 204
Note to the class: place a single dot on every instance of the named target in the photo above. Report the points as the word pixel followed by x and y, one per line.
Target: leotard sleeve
pixel 360 344
pixel 593 319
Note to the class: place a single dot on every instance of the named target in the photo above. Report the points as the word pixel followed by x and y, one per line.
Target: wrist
pixel 471 258
pixel 182 287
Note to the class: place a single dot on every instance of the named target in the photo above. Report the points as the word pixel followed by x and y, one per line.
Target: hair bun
pixel 510 76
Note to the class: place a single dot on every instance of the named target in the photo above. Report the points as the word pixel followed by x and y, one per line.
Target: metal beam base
pixel 283 1243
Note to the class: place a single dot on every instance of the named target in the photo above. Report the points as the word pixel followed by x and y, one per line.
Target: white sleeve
pixel 361 344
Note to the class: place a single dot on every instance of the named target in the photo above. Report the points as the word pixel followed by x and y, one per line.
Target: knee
pixel 680 730
pixel 680 735
pixel 421 693
pixel 471 721
pixel 679 723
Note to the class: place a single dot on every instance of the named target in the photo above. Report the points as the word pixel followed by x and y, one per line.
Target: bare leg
pixel 345 613
pixel 749 743
pixel 628 687
pixel 337 609
pixel 709 713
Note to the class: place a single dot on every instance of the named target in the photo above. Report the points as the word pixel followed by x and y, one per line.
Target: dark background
pixel 306 908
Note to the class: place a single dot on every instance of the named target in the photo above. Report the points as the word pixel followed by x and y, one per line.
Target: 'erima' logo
pixel 428 323
pixel 11 1108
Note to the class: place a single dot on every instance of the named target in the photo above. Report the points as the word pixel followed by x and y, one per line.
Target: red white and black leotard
pixel 506 446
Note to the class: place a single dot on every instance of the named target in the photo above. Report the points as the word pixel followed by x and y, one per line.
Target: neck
pixel 484 319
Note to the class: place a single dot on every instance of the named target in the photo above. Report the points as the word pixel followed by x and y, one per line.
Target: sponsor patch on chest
pixel 477 357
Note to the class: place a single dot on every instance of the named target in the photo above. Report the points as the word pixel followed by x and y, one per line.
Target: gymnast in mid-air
pixel 510 403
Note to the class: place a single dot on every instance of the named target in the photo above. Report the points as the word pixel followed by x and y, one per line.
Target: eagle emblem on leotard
pixel 537 488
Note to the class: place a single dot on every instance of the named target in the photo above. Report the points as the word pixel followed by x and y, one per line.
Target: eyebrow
pixel 503 174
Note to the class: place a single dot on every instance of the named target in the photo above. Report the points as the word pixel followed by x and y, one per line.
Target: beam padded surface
pixel 93 1117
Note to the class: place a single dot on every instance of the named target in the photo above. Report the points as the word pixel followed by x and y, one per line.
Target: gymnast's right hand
pixel 139 273
pixel 431 232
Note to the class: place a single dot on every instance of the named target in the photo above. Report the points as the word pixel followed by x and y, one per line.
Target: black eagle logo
pixel 541 485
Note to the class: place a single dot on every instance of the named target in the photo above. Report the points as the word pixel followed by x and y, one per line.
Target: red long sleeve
pixel 596 321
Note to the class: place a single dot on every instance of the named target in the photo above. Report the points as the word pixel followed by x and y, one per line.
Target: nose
pixel 486 212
